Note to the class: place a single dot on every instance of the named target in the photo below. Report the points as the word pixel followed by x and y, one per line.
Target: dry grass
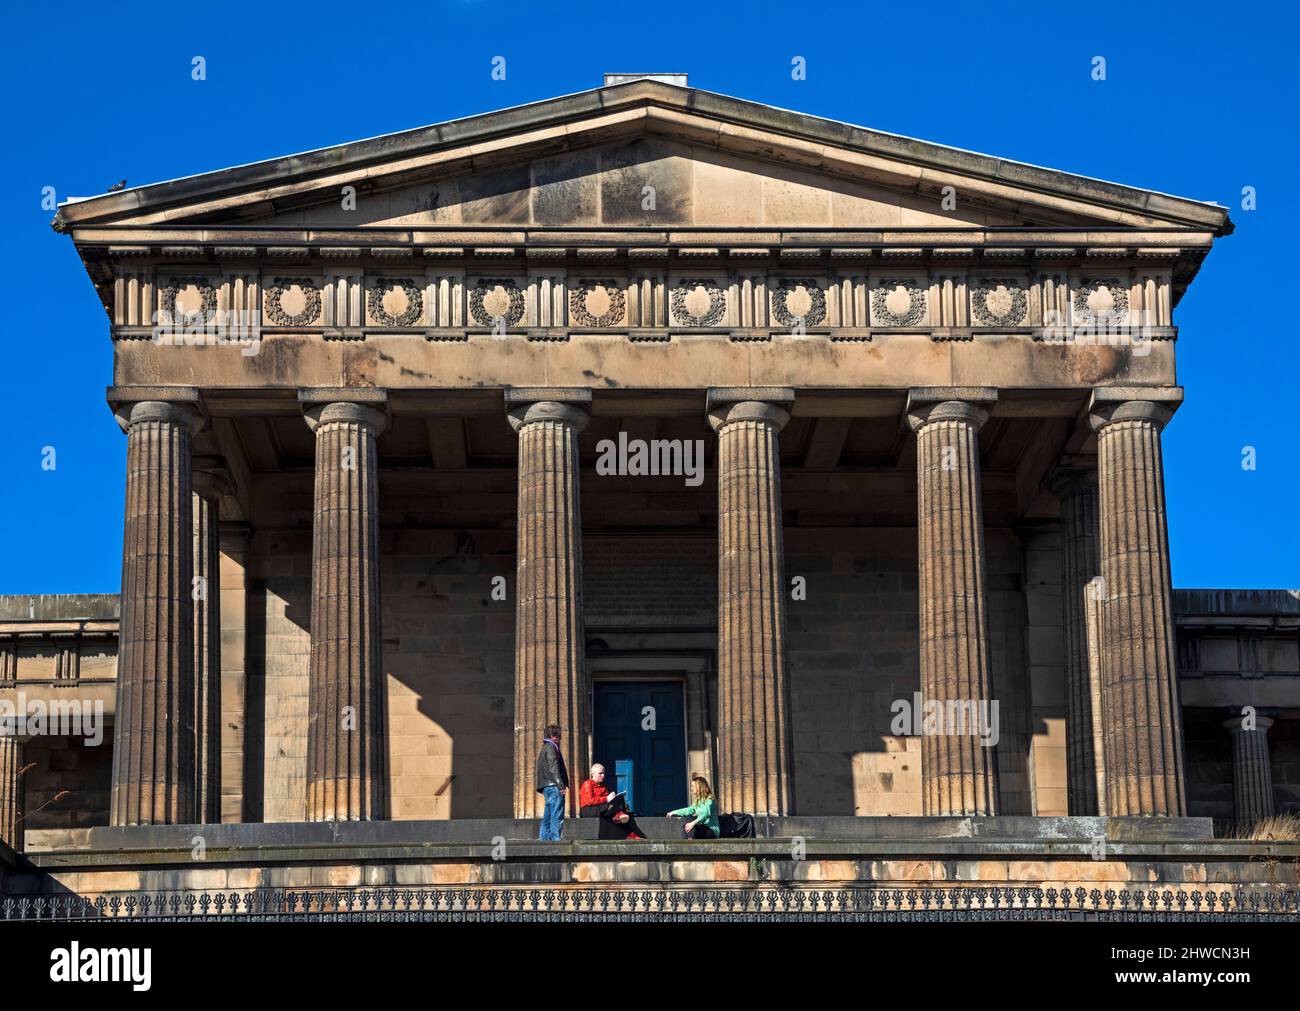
pixel 1279 828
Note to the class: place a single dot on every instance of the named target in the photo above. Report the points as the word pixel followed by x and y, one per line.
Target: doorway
pixel 639 736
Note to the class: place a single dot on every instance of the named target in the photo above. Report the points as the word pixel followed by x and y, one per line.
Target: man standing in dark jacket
pixel 553 784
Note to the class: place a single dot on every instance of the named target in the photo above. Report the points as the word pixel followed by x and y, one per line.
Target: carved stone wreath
pixel 1116 314
pixel 311 302
pixel 612 316
pixel 175 286
pixel 710 317
pixel 916 307
pixel 479 312
pixel 780 302
pixel 414 302
pixel 984 314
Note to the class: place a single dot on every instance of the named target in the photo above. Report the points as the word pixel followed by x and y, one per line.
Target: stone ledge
pixel 472 830
pixel 475 839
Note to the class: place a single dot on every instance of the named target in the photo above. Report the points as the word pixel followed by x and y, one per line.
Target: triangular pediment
pixel 646 181
pixel 643 153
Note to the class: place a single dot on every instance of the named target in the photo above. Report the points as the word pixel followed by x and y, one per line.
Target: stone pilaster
pixel 11 791
pixel 1252 777
pixel 209 485
pixel 755 771
pixel 550 674
pixel 347 752
pixel 234 538
pixel 1077 490
pixel 1143 731
pixel 153 737
pixel 959 774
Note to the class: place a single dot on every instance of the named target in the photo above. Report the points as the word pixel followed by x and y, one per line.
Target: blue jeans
pixel 552 814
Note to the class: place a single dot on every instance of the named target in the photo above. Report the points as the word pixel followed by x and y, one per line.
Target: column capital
pixel 569 405
pixel 1231 719
pixel 185 411
pixel 1155 404
pixel 368 407
pixel 970 404
pixel 725 404
pixel 209 477
pixel 1070 478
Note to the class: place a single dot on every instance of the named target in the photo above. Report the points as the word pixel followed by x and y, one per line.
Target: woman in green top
pixel 703 813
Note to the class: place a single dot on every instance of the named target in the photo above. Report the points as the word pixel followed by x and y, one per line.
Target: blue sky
pixel 1199 100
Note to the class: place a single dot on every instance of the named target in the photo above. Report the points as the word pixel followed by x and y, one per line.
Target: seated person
pixel 703 813
pixel 615 820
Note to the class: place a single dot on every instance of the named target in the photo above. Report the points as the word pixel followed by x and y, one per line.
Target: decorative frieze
pixel 1101 302
pixel 188 301
pixel 851 301
pixel 998 301
pixel 597 303
pixel 698 302
pixel 953 296
pixel 545 303
pixel 344 299
pixel 133 295
pixel 292 301
pixel 647 300
pixel 948 296
pixel 898 302
pixel 749 293
pixel 493 298
pixel 395 302
pixel 799 300
pixel 445 298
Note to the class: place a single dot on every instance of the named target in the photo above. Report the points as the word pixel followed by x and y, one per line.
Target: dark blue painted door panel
pixel 657 756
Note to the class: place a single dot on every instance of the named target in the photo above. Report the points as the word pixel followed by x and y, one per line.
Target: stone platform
pixel 845 852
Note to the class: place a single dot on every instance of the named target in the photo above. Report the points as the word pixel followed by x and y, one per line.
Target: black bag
pixel 736 826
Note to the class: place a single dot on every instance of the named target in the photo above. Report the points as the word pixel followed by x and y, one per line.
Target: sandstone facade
pixel 923 430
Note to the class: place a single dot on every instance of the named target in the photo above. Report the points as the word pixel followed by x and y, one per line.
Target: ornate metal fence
pixel 505 905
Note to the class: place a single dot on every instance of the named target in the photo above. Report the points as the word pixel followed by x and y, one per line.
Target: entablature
pixel 644 285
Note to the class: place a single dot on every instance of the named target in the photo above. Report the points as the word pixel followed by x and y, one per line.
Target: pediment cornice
pixel 572 122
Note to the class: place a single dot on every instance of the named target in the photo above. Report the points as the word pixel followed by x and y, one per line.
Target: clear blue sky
pixel 1199 101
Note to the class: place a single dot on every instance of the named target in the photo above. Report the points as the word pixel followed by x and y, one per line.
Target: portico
pixel 926 430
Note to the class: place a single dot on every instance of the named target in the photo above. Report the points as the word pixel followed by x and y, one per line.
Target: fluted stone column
pixel 11 791
pixel 550 673
pixel 755 772
pixel 1093 595
pixel 209 485
pixel 1252 777
pixel 153 737
pixel 347 752
pixel 959 774
pixel 1077 490
pixel 1143 732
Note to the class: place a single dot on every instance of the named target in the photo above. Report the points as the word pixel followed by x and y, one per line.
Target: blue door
pixel 652 753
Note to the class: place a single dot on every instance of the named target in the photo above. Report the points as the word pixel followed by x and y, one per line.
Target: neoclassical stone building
pixel 410 426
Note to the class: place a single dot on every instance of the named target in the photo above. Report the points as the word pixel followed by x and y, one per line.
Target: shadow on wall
pixel 448 658
pixel 448 651
pixel 853 653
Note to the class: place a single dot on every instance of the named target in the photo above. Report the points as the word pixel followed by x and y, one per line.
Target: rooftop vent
pixel 678 79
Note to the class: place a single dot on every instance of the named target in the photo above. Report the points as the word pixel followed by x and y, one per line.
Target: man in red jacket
pixel 594 802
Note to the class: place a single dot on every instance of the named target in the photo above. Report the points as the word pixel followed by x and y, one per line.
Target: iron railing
pixel 551 904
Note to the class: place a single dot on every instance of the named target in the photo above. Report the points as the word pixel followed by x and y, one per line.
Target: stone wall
pixel 651 558
pixel 67 783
